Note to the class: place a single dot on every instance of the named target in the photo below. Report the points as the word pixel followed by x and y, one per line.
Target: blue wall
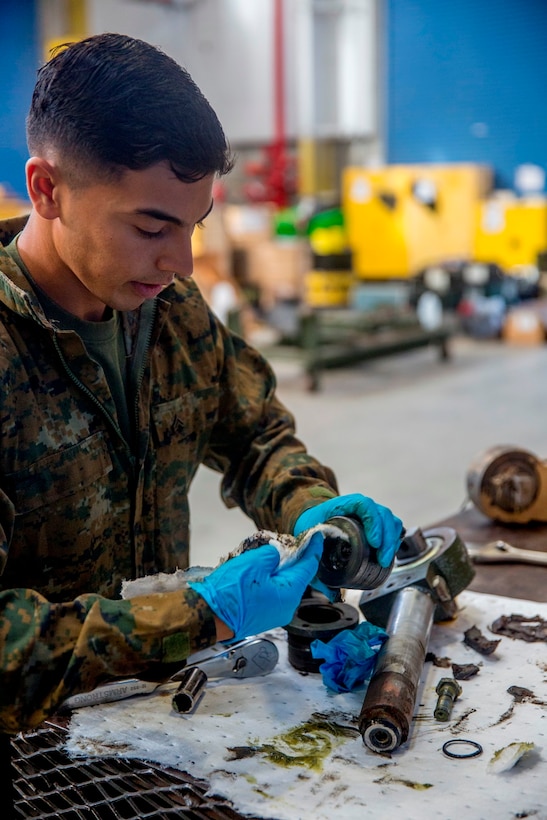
pixel 20 57
pixel 467 82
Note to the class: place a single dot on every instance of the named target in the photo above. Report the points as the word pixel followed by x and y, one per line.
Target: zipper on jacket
pixel 135 461
pixel 142 346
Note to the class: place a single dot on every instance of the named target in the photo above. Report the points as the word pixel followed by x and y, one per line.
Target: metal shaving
pixel 474 638
pixel 520 693
pixel 465 671
pixel 431 657
pixel 519 626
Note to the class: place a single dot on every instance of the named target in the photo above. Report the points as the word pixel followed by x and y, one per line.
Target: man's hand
pixel 382 529
pixel 251 593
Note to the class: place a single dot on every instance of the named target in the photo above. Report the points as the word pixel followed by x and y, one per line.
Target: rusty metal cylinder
pixel 390 699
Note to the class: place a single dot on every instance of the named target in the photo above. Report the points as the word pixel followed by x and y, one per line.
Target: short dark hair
pixel 111 102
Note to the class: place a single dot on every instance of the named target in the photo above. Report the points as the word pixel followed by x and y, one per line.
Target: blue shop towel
pixel 350 657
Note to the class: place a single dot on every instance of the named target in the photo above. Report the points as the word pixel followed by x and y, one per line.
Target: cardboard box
pixel 277 269
pixel 247 225
pixel 211 244
pixel 526 324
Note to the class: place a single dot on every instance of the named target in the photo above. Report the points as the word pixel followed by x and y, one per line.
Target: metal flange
pixel 436 559
pixel 316 619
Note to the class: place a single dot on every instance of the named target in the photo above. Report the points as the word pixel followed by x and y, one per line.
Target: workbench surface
pixel 223 747
pixel 513 580
pixel 283 747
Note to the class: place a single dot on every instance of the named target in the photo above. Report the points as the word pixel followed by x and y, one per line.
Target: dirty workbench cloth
pixel 284 747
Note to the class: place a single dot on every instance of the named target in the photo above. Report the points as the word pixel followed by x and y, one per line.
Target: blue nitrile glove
pixel 350 657
pixel 382 529
pixel 251 593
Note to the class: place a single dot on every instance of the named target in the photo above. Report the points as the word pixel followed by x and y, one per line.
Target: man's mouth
pixel 148 291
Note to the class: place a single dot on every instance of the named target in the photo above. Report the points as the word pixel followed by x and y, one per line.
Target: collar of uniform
pixel 16 291
pixel 9 228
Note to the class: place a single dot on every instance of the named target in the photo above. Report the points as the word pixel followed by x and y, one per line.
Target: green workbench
pixel 333 338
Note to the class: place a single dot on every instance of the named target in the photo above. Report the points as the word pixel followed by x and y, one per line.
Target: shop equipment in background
pixel 509 484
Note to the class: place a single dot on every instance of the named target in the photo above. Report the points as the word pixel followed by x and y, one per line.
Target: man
pixel 118 382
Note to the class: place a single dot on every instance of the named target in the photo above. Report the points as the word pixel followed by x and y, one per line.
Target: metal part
pixel 500 552
pixel 109 692
pixel 475 748
pixel 509 484
pixel 245 659
pixel 388 707
pixel 249 658
pixel 443 557
pixel 316 619
pixel 349 561
pixel 412 546
pixel 448 690
pixel 191 689
pixel 430 570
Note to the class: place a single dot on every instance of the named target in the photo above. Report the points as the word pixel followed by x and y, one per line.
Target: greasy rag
pixel 350 657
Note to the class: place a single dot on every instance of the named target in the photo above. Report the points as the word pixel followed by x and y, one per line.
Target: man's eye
pixel 149 234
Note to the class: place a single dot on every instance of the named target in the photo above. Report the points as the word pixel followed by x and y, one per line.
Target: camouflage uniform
pixel 80 512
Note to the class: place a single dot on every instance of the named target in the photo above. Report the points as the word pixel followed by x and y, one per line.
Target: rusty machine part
pixel 348 561
pixel 509 484
pixel 448 691
pixel 316 619
pixel 431 569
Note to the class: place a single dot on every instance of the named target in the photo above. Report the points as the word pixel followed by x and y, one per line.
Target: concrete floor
pixel 402 430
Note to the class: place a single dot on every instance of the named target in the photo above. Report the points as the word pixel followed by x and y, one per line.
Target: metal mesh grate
pixel 49 784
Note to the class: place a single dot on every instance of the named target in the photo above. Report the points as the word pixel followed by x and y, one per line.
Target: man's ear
pixel 42 187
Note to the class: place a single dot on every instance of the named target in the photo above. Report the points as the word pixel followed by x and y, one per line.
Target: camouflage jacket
pixel 80 512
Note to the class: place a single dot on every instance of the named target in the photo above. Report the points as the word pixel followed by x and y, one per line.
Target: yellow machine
pixel 511 232
pixel 401 218
pixel 509 484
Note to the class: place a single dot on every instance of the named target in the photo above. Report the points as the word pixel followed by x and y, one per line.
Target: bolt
pixel 448 690
pixel 240 664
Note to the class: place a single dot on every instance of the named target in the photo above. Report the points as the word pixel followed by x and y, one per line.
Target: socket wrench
pixel 247 658
pixel 500 552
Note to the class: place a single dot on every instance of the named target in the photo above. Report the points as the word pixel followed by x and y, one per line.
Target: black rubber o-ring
pixel 476 748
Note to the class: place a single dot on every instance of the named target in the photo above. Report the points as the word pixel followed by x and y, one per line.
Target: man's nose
pixel 177 258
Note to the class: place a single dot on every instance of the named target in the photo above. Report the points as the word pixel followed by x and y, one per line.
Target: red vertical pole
pixel 278 158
